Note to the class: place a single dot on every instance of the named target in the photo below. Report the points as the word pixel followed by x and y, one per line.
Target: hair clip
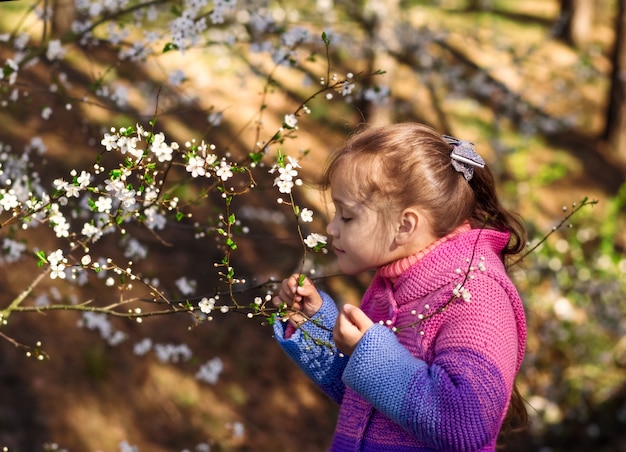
pixel 464 157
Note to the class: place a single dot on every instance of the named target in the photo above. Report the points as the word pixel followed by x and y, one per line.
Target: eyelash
pixel 345 220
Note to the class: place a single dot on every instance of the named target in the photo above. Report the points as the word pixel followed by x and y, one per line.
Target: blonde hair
pixel 394 167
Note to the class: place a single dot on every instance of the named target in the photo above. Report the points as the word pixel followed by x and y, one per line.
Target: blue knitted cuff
pixel 322 363
pixel 319 327
pixel 381 370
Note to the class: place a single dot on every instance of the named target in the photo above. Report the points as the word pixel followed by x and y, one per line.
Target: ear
pixel 408 226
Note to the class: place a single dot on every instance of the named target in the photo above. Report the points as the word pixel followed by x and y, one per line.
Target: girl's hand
pixel 351 325
pixel 303 300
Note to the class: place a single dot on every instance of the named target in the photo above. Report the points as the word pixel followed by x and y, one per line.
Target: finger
pixel 289 286
pixel 357 317
pixel 344 327
pixel 345 334
pixel 298 287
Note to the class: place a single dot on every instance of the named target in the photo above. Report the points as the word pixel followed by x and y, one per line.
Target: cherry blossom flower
pixel 306 215
pixel 57 264
pixel 103 204
pixel 224 171
pixel 291 121
pixel 284 186
pixel 172 353
pixel 313 240
pixel 109 142
pixel 8 200
pixel 207 305
pixel 12 251
pixel 195 166
pixel 210 371
pixel 55 50
pixel 162 151
pixel 461 292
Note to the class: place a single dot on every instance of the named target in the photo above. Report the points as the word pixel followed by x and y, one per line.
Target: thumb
pixel 357 317
pixel 306 289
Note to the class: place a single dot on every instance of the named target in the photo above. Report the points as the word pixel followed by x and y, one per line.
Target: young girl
pixel 429 360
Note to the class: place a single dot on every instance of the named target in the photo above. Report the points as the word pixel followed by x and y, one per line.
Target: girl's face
pixel 359 236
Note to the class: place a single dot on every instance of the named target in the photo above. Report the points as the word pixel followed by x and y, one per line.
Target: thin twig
pixel 583 203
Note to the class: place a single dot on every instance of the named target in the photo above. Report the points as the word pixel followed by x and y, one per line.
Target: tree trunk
pixel 575 21
pixel 615 128
pixel 378 25
pixel 63 14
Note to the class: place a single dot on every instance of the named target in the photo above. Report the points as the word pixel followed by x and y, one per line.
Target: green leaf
pixel 280 159
pixel 169 47
pixel 128 131
pixel 256 157
pixel 179 216
pixel 41 258
pixel 231 219
pixel 301 280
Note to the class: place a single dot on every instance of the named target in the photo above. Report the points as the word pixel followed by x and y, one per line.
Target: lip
pixel 338 250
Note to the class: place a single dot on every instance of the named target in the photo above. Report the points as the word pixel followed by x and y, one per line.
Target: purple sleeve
pixel 457 401
pixel 312 348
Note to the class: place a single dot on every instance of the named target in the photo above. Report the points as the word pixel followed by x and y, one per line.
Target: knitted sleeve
pixel 323 364
pixel 456 401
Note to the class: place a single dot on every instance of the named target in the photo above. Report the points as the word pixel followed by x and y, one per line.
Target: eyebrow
pixel 339 202
pixel 352 206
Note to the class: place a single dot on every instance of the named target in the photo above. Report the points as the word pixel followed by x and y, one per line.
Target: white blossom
pixel 291 121
pixel 195 166
pixel 172 353
pixel 186 286
pixel 109 141
pixel 161 150
pixel 314 239
pixel 224 171
pixel 104 204
pixel 306 215
pixel 11 251
pixel 210 371
pixel 142 347
pixel 55 50
pixel 207 305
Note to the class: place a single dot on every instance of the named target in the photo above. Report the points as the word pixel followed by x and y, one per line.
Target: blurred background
pixel 537 85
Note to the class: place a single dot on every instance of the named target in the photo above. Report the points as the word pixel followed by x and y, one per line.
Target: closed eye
pixel 346 219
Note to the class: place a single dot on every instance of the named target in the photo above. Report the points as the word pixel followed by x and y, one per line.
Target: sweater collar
pixel 445 263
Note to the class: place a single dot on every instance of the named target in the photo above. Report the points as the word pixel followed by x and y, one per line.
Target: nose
pixel 331 228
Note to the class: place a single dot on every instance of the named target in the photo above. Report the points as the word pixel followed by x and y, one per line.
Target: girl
pixel 429 360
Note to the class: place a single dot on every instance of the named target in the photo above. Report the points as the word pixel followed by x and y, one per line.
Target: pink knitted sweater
pixel 435 372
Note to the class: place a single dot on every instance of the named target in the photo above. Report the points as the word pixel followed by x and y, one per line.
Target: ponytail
pixel 515 421
pixel 491 213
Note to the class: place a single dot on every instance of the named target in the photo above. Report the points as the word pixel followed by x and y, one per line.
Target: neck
pixel 400 265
